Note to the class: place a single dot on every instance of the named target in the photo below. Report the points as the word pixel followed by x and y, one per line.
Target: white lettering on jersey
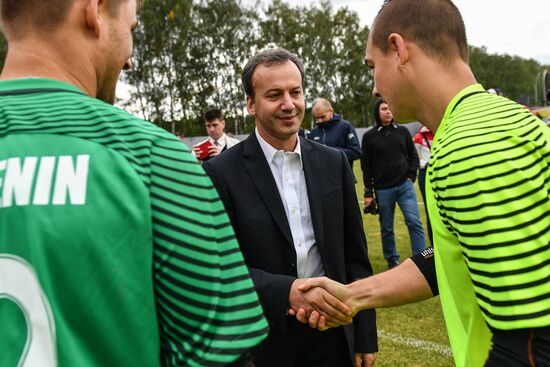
pixel 18 181
pixel 44 181
pixel 68 180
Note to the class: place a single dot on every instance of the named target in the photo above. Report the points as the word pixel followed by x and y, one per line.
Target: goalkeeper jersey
pixel 115 249
pixel 488 200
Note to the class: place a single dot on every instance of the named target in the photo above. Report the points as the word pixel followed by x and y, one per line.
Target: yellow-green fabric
pixel 488 201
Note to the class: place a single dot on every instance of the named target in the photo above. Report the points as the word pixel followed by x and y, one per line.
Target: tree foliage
pixel 332 46
pixel 189 55
pixel 512 75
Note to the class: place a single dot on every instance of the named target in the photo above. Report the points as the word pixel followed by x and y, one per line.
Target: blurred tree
pixel 512 75
pixel 332 46
pixel 223 37
pixel 189 56
pixel 160 44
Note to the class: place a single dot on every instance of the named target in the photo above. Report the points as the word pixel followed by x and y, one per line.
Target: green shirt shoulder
pixel 103 203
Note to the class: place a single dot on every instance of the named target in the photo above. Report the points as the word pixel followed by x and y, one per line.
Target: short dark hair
pixel 268 57
pixel 213 114
pixel 17 15
pixel 435 25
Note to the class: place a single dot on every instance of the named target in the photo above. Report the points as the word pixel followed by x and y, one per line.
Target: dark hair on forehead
pixel 213 114
pixel 18 16
pixel 268 57
pixel 436 26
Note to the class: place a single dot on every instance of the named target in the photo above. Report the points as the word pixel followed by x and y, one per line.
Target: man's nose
pixel 375 92
pixel 288 103
pixel 128 64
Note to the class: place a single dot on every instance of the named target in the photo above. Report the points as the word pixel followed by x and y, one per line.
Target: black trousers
pixel 302 346
pixel 520 348
pixel 325 349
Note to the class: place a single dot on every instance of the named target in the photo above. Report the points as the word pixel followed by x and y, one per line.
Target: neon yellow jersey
pixel 488 200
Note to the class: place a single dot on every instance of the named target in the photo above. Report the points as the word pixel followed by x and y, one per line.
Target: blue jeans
pixel 405 196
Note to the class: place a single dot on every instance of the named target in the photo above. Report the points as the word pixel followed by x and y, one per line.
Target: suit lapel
pixel 313 171
pixel 258 169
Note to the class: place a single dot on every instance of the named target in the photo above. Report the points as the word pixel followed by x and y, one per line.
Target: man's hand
pixel 197 151
pixel 336 289
pixel 368 201
pixel 316 319
pixel 317 303
pixel 364 359
pixel 213 150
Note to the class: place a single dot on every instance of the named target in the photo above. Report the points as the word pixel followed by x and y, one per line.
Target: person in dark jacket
pixel 389 162
pixel 333 131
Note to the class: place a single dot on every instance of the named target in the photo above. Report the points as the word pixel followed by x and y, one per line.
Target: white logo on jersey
pixel 68 179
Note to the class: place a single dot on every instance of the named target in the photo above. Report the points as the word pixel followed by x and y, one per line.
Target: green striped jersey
pixel 488 200
pixel 115 249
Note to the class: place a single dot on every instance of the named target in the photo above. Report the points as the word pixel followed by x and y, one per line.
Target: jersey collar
pixel 472 89
pixel 21 84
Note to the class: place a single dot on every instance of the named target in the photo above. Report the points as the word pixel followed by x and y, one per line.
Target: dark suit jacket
pixel 246 186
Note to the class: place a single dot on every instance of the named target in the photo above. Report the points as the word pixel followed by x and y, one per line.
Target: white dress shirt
pixel 224 141
pixel 220 143
pixel 288 172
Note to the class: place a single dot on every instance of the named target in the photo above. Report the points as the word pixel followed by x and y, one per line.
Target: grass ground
pixel 413 335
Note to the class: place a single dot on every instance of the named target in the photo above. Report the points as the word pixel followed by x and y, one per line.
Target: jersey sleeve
pixel 492 192
pixel 208 310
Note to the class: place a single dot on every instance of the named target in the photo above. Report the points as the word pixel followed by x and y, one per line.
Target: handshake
pixel 322 303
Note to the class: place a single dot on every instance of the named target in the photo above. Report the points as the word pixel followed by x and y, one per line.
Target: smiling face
pixel 278 103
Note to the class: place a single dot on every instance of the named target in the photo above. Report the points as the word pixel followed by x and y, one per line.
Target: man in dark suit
pixel 293 205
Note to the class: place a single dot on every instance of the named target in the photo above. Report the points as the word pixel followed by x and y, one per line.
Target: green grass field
pixel 413 335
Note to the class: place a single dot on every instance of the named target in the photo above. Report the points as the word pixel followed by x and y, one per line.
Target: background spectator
pixel 389 162
pixel 217 141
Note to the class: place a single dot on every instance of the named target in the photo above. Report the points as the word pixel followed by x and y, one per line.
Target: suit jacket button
pixel 292 267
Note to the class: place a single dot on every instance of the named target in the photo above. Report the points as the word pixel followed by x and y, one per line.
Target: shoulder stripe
pixel 187 207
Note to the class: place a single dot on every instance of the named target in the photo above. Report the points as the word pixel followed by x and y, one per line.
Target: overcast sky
pixel 514 27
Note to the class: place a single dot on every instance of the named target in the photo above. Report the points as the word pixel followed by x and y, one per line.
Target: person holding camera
pixel 389 162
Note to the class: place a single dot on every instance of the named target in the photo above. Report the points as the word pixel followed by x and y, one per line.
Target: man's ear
pixel 93 19
pixel 399 46
pixel 250 106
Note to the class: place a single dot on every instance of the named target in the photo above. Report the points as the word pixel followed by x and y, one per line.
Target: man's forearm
pixel 401 285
